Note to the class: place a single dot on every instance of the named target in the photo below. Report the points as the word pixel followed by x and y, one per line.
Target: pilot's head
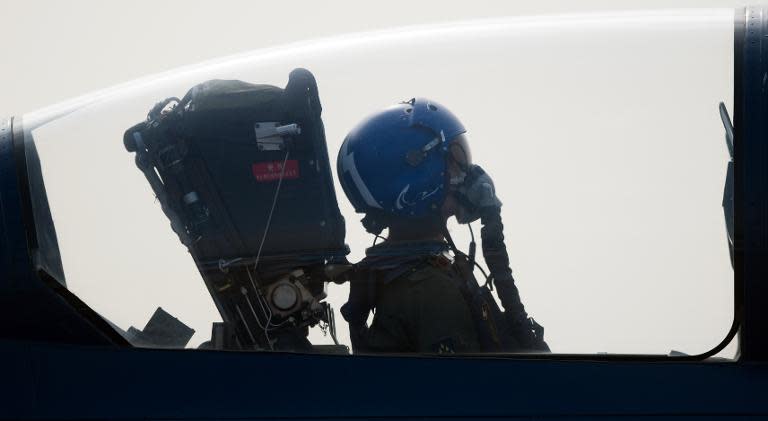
pixel 398 166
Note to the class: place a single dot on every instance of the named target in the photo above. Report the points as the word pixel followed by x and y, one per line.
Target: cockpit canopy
pixel 601 133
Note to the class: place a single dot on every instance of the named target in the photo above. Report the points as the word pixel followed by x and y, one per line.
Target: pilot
pixel 409 168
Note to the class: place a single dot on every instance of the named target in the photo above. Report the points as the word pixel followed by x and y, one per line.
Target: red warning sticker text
pixel 271 171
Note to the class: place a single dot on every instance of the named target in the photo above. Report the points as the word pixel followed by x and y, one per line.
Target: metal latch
pixel 270 135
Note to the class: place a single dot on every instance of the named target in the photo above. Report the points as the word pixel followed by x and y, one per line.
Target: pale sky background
pixel 603 137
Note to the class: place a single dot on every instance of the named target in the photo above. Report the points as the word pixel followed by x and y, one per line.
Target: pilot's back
pixel 417 302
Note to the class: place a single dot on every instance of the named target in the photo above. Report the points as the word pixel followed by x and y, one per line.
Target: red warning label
pixel 270 171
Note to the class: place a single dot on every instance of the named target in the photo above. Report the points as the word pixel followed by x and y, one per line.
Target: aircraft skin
pixel 59 360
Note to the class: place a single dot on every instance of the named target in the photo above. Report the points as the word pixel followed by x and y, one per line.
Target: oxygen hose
pixel 497 260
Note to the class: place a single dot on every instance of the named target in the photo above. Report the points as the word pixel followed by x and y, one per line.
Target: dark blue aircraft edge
pixel 39 306
pixel 93 382
pixel 45 376
pixel 751 180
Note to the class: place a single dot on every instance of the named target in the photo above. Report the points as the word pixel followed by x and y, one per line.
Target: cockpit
pixel 202 208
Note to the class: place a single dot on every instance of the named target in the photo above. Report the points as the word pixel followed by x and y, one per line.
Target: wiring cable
pixel 272 209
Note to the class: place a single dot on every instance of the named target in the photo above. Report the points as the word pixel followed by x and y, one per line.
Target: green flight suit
pixel 421 310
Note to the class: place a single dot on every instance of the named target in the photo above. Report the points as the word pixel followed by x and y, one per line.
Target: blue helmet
pixel 394 161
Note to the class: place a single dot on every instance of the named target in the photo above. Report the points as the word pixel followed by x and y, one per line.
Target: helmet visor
pixel 459 159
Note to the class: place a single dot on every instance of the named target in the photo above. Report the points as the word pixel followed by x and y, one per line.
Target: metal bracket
pixel 270 135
